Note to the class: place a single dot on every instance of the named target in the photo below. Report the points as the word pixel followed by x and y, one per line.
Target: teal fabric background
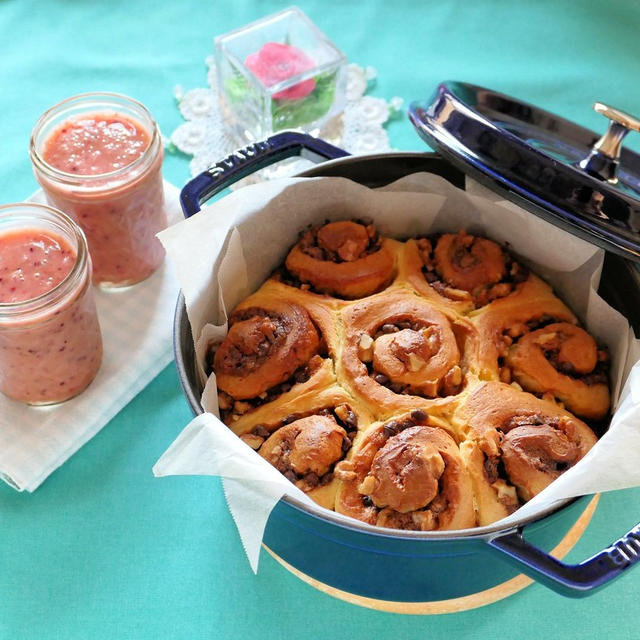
pixel 103 549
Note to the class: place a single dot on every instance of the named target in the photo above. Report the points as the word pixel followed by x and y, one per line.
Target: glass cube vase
pixel 280 72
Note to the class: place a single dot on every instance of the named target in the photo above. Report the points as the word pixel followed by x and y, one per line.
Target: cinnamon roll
pixel 412 270
pixel 263 348
pixel 406 474
pixel 345 259
pixel 306 450
pixel 305 437
pixel 562 361
pixel 273 344
pixel 467 269
pixel 505 320
pixel 399 349
pixel 515 446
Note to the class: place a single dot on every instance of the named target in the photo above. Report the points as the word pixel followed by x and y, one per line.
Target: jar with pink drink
pixel 50 341
pixel 98 158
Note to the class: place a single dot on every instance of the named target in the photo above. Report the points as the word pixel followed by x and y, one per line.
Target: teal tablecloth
pixel 104 550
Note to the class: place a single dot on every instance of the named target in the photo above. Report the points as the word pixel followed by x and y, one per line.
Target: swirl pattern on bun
pixel 468 269
pixel 407 474
pixel 515 445
pixel 345 259
pixel 562 361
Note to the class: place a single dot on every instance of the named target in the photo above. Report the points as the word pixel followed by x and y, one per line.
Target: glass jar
pixel 117 200
pixel 50 343
pixel 280 72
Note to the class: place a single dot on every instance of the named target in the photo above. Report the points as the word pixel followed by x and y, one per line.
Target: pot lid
pixel 575 178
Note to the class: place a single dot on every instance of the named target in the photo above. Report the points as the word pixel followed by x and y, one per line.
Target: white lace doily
pixel 359 129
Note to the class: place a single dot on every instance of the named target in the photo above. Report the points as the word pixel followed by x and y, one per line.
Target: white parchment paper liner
pixel 225 252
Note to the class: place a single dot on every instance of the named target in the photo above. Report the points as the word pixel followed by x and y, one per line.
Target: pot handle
pixel 251 158
pixel 576 580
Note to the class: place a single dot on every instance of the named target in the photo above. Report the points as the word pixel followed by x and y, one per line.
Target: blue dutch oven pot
pixel 551 167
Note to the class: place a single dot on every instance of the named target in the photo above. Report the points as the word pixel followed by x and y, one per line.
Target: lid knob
pixel 604 157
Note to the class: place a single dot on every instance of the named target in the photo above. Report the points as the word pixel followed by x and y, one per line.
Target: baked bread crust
pixel 429 384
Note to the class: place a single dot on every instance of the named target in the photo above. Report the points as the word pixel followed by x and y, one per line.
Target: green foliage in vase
pixel 237 88
pixel 291 114
pixel 288 114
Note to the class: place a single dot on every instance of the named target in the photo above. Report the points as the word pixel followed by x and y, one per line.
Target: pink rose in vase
pixel 277 62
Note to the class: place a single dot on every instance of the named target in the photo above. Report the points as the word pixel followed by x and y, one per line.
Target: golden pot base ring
pixel 453 605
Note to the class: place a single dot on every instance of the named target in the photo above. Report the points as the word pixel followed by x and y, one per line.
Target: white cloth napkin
pixel 136 330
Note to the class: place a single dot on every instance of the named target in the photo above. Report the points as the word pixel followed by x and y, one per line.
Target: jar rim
pixel 54 172
pixel 60 290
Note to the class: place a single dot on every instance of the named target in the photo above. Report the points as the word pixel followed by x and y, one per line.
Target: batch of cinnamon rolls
pixel 430 384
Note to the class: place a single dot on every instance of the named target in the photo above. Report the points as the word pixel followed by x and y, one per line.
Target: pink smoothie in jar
pixel 32 262
pixel 98 158
pixel 50 342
